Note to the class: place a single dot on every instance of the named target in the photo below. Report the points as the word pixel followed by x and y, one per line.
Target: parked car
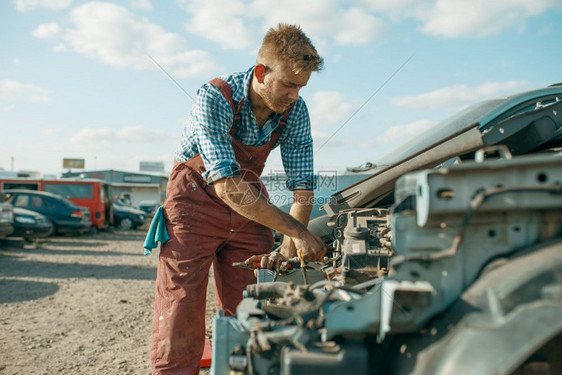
pixel 6 217
pixel 30 224
pixel 65 216
pixel 126 217
pixel 85 192
pixel 148 206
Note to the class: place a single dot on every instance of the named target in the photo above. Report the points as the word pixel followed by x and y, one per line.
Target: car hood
pixel 480 125
pixel 130 210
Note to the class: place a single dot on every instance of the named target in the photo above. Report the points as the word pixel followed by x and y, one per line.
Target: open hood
pixel 523 122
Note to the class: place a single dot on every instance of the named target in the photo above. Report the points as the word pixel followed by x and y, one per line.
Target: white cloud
pixel 458 96
pixel 104 136
pixel 141 4
pixel 395 8
pixel 239 24
pixel 328 108
pixel 357 27
pixel 242 23
pixel 221 21
pixel 459 18
pixel 405 132
pixel 27 5
pixel 49 131
pixel 11 90
pixel 117 37
pixel 322 19
pixel 60 48
pixel 47 30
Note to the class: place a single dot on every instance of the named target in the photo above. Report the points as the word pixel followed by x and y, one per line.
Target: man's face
pixel 281 87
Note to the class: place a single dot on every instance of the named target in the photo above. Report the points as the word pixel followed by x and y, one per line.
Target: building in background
pixel 17 174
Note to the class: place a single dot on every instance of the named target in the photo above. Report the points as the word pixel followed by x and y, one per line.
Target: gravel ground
pixel 79 305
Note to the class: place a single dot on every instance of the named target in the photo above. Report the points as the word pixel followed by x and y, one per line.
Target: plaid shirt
pixel 208 134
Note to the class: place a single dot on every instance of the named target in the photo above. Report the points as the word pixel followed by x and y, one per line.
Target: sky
pixel 112 82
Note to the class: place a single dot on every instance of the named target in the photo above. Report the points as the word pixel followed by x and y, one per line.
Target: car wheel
pixel 53 229
pixel 126 223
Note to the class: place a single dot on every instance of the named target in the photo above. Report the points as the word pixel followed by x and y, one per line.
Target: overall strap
pixel 283 122
pixel 225 90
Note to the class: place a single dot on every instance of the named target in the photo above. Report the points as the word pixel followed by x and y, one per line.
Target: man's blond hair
pixel 288 44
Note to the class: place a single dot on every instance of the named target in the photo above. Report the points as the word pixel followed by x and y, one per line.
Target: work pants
pixel 203 231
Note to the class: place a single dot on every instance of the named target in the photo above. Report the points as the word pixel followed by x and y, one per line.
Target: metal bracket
pixel 500 149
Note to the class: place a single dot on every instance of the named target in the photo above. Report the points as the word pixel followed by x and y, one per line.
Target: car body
pixel 65 216
pixel 85 192
pixel 30 224
pixel 447 259
pixel 6 217
pixel 126 217
pixel 148 206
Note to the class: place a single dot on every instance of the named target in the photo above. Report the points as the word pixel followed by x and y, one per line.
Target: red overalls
pixel 203 230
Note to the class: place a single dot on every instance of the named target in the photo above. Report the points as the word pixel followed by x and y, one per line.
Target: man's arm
pixel 300 210
pixel 245 199
pixel 302 205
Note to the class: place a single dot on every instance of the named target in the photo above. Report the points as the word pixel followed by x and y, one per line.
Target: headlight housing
pixel 25 220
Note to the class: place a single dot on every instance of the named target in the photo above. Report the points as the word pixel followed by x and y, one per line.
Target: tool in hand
pixel 252 265
pixel 303 266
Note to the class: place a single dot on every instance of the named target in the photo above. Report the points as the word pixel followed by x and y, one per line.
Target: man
pixel 216 208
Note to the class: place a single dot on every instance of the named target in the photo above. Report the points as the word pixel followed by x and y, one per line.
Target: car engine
pixel 417 287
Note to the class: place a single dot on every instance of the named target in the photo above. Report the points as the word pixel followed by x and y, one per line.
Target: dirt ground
pixel 79 305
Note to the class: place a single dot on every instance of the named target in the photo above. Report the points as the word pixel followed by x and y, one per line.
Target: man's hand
pixel 313 249
pixel 269 261
pixel 312 246
pixel 288 248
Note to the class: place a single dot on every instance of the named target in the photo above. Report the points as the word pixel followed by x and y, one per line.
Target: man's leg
pixel 197 225
pixel 250 239
pixel 179 307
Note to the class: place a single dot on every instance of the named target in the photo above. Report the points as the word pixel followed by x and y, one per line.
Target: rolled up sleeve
pixel 211 119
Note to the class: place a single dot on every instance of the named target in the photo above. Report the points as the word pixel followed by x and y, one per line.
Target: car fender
pixel 507 315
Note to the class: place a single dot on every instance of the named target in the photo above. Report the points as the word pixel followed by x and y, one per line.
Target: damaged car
pixel 446 259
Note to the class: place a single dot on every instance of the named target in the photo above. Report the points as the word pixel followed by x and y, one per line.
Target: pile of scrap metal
pixel 452 269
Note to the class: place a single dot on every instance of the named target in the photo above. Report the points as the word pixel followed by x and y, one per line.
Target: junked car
pixel 447 259
pixel 64 215
pixel 148 206
pixel 30 225
pixel 126 217
pixel 6 217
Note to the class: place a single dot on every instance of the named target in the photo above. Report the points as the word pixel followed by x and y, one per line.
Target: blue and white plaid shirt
pixel 208 134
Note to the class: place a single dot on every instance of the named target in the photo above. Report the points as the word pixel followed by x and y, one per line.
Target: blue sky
pixel 80 79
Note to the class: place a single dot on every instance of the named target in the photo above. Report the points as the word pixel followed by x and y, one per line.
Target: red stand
pixel 207 355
